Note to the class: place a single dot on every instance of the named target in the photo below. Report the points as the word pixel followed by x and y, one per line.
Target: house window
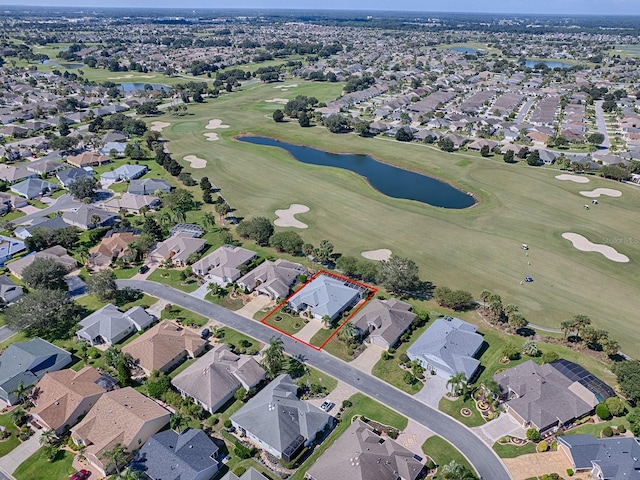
pixel 139 441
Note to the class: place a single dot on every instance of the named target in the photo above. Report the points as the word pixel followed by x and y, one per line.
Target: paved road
pixel 5 333
pixel 63 202
pixel 525 109
pixel 482 457
pixel 602 127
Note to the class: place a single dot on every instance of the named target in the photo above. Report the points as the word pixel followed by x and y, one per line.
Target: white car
pixel 327 405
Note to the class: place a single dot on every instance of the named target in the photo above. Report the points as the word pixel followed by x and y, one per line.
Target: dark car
pixel 81 475
pixel 205 333
pixel 528 279
pixel 143 269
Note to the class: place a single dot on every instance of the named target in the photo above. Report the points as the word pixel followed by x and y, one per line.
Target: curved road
pixel 484 459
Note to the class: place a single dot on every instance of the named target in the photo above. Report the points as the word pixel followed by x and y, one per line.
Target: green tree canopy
pixel 288 241
pixel 45 273
pixel 103 285
pixel 399 275
pixel 258 229
pixel 628 375
pixel 84 188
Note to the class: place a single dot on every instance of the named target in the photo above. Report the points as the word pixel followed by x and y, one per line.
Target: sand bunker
pixel 158 126
pixel 129 75
pixel 196 162
pixel 212 136
pixel 292 85
pixel 380 254
pixel 283 101
pixel 286 217
pixel 215 123
pixel 609 192
pixel 572 178
pixel 585 245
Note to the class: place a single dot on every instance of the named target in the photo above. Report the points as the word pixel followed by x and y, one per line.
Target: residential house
pixel 88 159
pixel 615 458
pixel 114 245
pixel 192 229
pixel 273 279
pixel 178 248
pixel 27 362
pixel 164 346
pixel 215 377
pixel 383 321
pixel 48 224
pixel 360 453
pixel 278 421
pixel 45 166
pixel 448 347
pixel 552 395
pixel 9 247
pixel 222 266
pixel 61 398
pixel 9 290
pixel 251 474
pixel 149 186
pixel 109 325
pixel 11 174
pixel 325 295
pixel 123 173
pixel 122 416
pixel 87 217
pixel 57 253
pixel 132 203
pixel 188 455
pixel 8 201
pixel 70 175
pixel 110 147
pixel 33 187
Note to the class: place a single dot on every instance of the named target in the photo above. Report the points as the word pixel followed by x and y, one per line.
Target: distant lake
pixel 466 50
pixel 387 179
pixel 549 63
pixel 130 87
pixel 68 66
pixel 635 49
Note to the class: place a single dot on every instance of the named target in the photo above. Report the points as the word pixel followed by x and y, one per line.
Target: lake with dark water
pixel 131 86
pixel 387 179
pixel 549 63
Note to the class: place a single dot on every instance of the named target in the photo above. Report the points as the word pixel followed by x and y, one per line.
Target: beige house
pixel 88 159
pixel 164 346
pixel 383 321
pixel 273 279
pixel 57 253
pixel 110 249
pixel 178 248
pixel 222 266
pixel 122 416
pixel 132 202
pixel 62 397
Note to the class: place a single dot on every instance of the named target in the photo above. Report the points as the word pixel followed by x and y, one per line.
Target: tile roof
pixel 224 262
pixel 274 278
pixel 179 247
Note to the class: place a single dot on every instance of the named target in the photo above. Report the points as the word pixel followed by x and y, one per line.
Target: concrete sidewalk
pixel 15 457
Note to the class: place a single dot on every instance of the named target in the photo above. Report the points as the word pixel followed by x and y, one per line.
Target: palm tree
pixel 452 471
pixel 566 326
pixel 484 295
pixel 209 220
pixel 48 437
pixel 116 457
pixel 348 332
pixel 458 383
pixel 530 348
pixel 517 320
pixel 95 220
pixel 491 387
pixel 179 422
pixel 21 392
pixel 580 322
pixel 18 416
pixel 143 210
pixel 273 357
pixel 131 474
pixel 165 218
pixel 510 309
pixel 326 321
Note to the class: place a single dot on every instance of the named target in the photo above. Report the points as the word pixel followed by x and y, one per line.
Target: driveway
pixel 413 437
pixel 15 457
pixel 309 330
pixel 29 210
pixel 505 424
pixel 257 303
pixel 65 202
pixel 5 333
pixel 433 391
pixel 537 464
pixel 484 459
pixel 367 359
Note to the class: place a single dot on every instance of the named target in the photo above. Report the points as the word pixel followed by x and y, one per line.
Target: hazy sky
pixel 594 7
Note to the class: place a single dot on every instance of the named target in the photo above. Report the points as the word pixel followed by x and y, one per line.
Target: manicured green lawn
pixel 285 322
pixel 185 316
pixel 181 367
pixel 225 301
pixel 37 467
pixel 12 215
pixel 234 337
pixel 595 429
pixel 361 406
pixel 442 452
pixel 12 442
pixel 125 273
pixel 509 450
pixel 453 407
pixel 92 303
pixel 172 278
pixel 517 204
pixel 314 376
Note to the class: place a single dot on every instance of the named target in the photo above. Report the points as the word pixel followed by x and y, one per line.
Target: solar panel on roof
pixel 577 373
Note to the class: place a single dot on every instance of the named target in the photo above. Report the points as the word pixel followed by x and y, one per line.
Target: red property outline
pixel 372 291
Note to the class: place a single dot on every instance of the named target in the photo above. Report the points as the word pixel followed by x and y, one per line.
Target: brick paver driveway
pixel 537 464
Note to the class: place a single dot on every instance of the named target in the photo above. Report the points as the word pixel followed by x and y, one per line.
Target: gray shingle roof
pixel 171 456
pixel 277 417
pixel 387 318
pixel 324 295
pixel 617 458
pixel 149 186
pixel 449 344
pixel 251 474
pixel 33 187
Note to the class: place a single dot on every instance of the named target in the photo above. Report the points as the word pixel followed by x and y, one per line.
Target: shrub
pixel 227 423
pixel 615 406
pixel 404 358
pixel 347 403
pixel 392 432
pixel 621 429
pixel 239 471
pixel 392 351
pixel 570 472
pixel 548 357
pixel 542 446
pixel 607 431
pixel 533 434
pixel 385 355
pixel 431 465
pixel 602 411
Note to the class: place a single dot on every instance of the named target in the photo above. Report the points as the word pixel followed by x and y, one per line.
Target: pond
pixel 549 63
pixel 68 66
pixel 131 86
pixel 466 50
pixel 387 179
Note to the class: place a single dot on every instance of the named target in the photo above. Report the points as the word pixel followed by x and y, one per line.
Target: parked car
pixel 327 405
pixel 81 475
pixel 528 279
pixel 143 269
pixel 205 333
